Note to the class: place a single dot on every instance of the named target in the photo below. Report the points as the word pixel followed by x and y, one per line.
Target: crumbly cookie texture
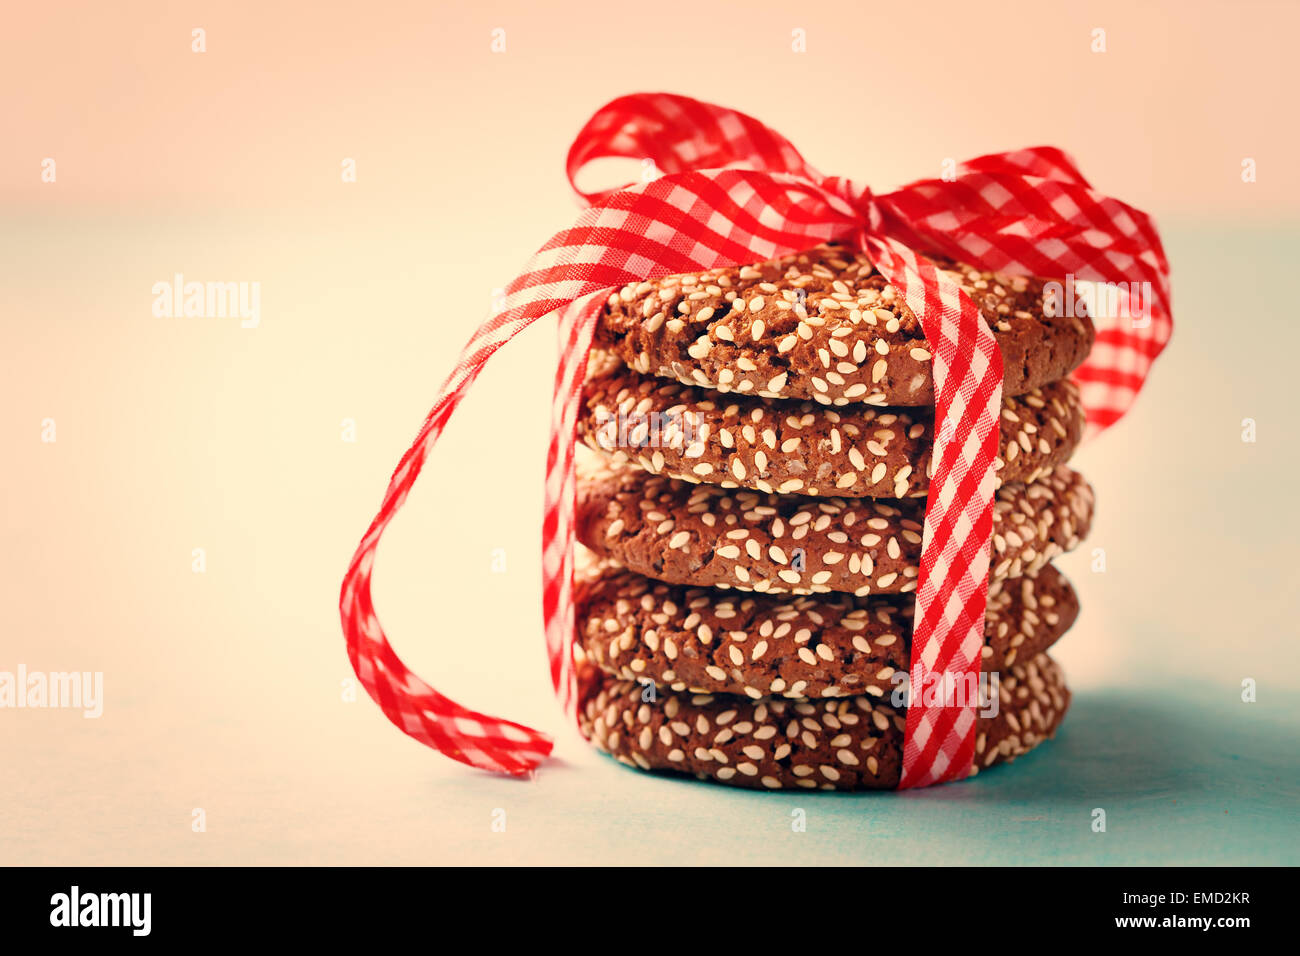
pixel 802 447
pixel 823 646
pixel 697 534
pixel 825 326
pixel 853 743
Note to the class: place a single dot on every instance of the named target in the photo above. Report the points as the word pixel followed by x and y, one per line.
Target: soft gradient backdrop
pixel 226 690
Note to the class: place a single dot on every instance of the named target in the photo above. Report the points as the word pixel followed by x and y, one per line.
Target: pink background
pixel 413 92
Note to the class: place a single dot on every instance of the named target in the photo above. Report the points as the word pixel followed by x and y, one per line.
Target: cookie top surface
pixel 705 535
pixel 852 743
pixel 802 447
pixel 825 326
pixel 819 646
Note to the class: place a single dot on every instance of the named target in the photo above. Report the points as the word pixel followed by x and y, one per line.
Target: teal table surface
pixel 1180 781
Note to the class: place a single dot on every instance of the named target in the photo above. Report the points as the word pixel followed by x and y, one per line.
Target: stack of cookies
pixel 752 517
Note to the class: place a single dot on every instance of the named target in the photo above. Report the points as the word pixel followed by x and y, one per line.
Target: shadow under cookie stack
pixel 753 514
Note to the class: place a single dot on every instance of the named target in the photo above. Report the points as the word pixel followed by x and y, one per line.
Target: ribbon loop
pixel 676 134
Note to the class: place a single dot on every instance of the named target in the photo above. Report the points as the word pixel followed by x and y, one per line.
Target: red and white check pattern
pixel 734 191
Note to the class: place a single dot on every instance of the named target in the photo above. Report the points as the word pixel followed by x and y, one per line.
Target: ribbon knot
pixel 733 192
pixel 862 200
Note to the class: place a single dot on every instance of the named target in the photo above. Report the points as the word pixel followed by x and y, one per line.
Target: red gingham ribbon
pixel 732 191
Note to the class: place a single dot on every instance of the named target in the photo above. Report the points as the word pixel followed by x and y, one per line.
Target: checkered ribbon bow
pixel 723 190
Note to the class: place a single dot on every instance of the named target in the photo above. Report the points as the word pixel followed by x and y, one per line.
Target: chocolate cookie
pixel 802 447
pixel 854 743
pixel 684 533
pixel 704 640
pixel 825 326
